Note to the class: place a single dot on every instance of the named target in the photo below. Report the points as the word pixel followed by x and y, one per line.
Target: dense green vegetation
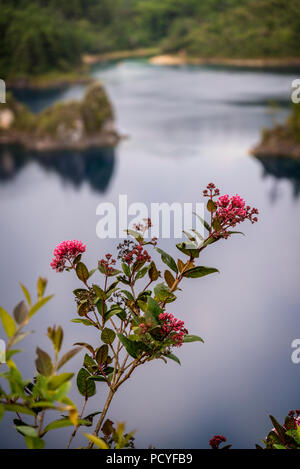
pixel 43 35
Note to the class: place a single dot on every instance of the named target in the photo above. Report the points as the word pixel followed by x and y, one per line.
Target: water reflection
pixel 282 168
pixel 95 165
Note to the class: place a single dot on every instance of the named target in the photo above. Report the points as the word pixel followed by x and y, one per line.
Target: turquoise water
pixel 186 127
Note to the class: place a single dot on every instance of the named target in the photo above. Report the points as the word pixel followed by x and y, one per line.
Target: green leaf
pixel 18 408
pixel 141 273
pixel 67 356
pixel 8 323
pixel 86 322
pixel 192 338
pixel 236 232
pixel 153 308
pixel 126 269
pixel 168 260
pixel 130 346
pixel 173 357
pixel 56 381
pixel 102 354
pixel 97 441
pixel 99 292
pixel 27 431
pixel 163 293
pixel 204 223
pixel 20 312
pixel 153 272
pixel 34 443
pixel 41 286
pixel 61 423
pixel 200 271
pixel 86 387
pixel 211 206
pixel 108 335
pixel 2 410
pixel 43 363
pixel 26 294
pixel 169 278
pixel 188 249
pixel 91 272
pixel 135 234
pixel 39 305
pixel 82 271
pixel 280 430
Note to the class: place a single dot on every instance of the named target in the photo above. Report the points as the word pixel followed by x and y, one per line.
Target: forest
pixel 45 35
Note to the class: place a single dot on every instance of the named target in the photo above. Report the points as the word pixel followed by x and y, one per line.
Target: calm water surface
pixel 187 127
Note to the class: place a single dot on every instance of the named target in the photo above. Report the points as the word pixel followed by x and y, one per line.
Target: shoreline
pixel 57 79
pixel 183 59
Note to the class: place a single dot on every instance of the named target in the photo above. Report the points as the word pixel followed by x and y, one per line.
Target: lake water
pixel 187 126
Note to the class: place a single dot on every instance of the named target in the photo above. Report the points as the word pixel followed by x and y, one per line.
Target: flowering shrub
pixel 216 441
pixel 286 436
pixel 128 306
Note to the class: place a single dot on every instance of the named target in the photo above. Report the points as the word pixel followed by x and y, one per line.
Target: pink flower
pixel 172 328
pixel 66 251
pixel 231 211
pixel 216 441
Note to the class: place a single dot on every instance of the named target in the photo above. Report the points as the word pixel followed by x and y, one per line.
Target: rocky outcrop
pixel 283 140
pixel 66 125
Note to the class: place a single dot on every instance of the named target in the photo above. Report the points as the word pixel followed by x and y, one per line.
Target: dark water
pixel 187 127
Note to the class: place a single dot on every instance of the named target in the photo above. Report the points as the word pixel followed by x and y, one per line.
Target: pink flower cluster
pixel 66 251
pixel 216 441
pixel 107 264
pixel 137 254
pixel 233 210
pixel 173 328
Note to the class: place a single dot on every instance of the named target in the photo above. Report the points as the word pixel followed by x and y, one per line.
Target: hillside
pixel 40 37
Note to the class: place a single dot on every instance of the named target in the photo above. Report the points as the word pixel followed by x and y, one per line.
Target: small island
pixel 65 125
pixel 282 141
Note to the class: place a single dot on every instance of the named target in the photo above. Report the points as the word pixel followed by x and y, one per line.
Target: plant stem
pixel 76 428
pixel 103 414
